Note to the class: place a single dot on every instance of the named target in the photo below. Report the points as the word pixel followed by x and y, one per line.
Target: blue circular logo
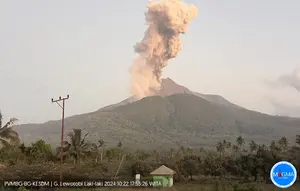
pixel 283 174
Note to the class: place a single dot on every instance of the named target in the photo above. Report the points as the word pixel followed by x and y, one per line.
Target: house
pixel 164 175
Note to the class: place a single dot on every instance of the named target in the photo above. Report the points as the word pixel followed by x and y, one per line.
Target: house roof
pixel 163 170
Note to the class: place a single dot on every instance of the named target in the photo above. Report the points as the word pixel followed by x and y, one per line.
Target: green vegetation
pixel 239 165
pixel 7 135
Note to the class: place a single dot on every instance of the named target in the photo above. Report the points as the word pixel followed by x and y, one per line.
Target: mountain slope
pixel 169 87
pixel 163 121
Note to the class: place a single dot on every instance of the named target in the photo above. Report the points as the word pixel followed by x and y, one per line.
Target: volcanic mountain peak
pixel 170 87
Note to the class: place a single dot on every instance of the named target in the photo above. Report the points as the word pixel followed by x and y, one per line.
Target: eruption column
pixel 166 20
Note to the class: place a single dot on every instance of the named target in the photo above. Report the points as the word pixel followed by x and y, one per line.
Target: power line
pixel 62 128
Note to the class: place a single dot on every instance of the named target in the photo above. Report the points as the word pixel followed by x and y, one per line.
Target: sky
pixel 84 48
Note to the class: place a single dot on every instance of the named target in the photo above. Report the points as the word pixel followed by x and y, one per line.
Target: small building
pixel 164 175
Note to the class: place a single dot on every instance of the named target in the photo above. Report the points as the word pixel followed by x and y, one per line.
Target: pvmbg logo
pixel 283 174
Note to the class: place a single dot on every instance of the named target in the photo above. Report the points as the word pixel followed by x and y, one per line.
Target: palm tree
pixel 224 146
pixel 120 144
pixel 220 147
pixel 298 139
pixel 274 146
pixel 240 141
pixel 76 148
pixel 283 143
pixel 171 153
pixel 8 136
pixel 227 144
pixel 253 146
pixel 96 148
pixel 101 145
pixel 235 149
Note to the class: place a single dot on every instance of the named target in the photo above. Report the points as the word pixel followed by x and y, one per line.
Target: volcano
pixel 168 88
pixel 173 115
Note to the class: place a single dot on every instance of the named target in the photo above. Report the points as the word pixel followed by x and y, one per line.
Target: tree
pixel 37 150
pixel 8 137
pixel 220 147
pixel 41 146
pixel 274 147
pixel 190 167
pixel 157 155
pixel 22 148
pixel 171 153
pixel 141 167
pixel 253 146
pixel 298 140
pixel 226 144
pixel 120 144
pixel 283 143
pixel 76 148
pixel 235 149
pixel 240 141
pixel 101 145
pixel 96 148
pixel 113 153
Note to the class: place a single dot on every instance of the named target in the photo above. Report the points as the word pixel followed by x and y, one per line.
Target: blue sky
pixel 85 48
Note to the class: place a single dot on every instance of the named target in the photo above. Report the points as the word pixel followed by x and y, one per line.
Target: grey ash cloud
pixel 292 80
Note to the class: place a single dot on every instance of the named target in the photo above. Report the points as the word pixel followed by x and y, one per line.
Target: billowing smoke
pixel 292 80
pixel 166 20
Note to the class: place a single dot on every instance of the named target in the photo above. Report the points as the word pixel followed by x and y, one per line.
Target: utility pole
pixel 62 129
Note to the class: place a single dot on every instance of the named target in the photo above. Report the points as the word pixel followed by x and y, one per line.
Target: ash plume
pixel 292 80
pixel 166 20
